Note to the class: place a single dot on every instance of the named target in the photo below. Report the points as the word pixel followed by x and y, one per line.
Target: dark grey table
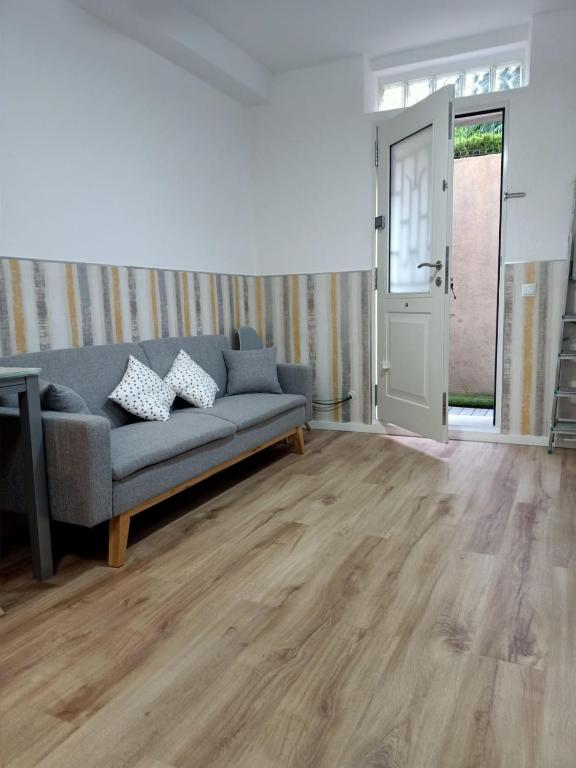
pixel 24 383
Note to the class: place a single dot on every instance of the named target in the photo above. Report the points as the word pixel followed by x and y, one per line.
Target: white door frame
pixel 485 103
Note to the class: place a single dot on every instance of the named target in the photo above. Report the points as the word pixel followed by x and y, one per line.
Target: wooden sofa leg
pixel 118 540
pixel 299 441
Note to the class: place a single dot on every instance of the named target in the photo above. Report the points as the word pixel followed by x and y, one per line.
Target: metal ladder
pixel 562 393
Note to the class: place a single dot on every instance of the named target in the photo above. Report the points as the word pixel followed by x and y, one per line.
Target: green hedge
pixel 475 140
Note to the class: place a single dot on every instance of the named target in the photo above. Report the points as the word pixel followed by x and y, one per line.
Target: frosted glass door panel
pixel 410 213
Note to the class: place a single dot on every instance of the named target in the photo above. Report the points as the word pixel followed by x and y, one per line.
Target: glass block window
pixel 392 97
pixel 508 76
pixel 416 90
pixel 455 80
pixel 477 82
pixel 499 77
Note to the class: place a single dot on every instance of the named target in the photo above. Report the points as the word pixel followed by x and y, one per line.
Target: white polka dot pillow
pixel 143 393
pixel 191 382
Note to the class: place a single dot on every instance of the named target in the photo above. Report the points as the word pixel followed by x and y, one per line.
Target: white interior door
pixel 415 159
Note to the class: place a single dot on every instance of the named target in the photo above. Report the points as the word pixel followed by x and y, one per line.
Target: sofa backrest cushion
pixel 204 350
pixel 92 372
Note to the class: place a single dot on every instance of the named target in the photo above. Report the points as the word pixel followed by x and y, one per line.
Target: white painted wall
pixel 313 172
pixel 111 154
pixel 313 160
pixel 173 32
pixel 542 147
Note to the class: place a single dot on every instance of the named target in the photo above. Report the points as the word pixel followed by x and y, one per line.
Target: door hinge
pixel 375 394
pixel 376 279
pixel 444 185
pixel 444 408
pixel 447 269
pixel 379 222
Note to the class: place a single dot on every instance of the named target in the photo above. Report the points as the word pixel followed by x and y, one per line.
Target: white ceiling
pixel 289 34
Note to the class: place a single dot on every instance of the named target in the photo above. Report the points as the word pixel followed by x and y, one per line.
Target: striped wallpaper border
pixel 324 319
pixel 531 334
pixel 316 318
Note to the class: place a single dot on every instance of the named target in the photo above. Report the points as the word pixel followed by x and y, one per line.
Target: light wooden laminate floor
pixel 379 602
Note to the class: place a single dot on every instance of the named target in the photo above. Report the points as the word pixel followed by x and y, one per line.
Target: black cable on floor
pixel 325 406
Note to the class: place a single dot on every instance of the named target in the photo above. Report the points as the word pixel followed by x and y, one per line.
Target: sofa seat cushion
pixel 245 411
pixel 140 445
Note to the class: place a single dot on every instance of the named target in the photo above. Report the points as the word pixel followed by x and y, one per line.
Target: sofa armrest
pixel 78 464
pixel 297 380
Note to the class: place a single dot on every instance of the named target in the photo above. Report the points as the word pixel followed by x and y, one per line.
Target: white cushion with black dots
pixel 191 382
pixel 143 393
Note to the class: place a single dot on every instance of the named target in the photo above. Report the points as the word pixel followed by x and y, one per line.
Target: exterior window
pixel 499 77
pixel 392 96
pixel 477 82
pixel 416 90
pixel 455 80
pixel 508 76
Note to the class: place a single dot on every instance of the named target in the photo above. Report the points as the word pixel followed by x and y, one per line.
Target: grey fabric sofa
pixel 108 465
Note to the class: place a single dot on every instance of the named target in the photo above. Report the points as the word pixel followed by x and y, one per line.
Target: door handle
pixel 437 265
pixel 512 195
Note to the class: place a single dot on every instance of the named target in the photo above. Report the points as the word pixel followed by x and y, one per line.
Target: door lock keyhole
pixel 438 281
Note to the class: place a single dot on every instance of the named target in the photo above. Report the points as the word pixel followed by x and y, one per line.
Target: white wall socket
pixel 529 289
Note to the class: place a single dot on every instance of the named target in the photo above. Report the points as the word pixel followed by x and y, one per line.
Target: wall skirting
pixel 376 428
